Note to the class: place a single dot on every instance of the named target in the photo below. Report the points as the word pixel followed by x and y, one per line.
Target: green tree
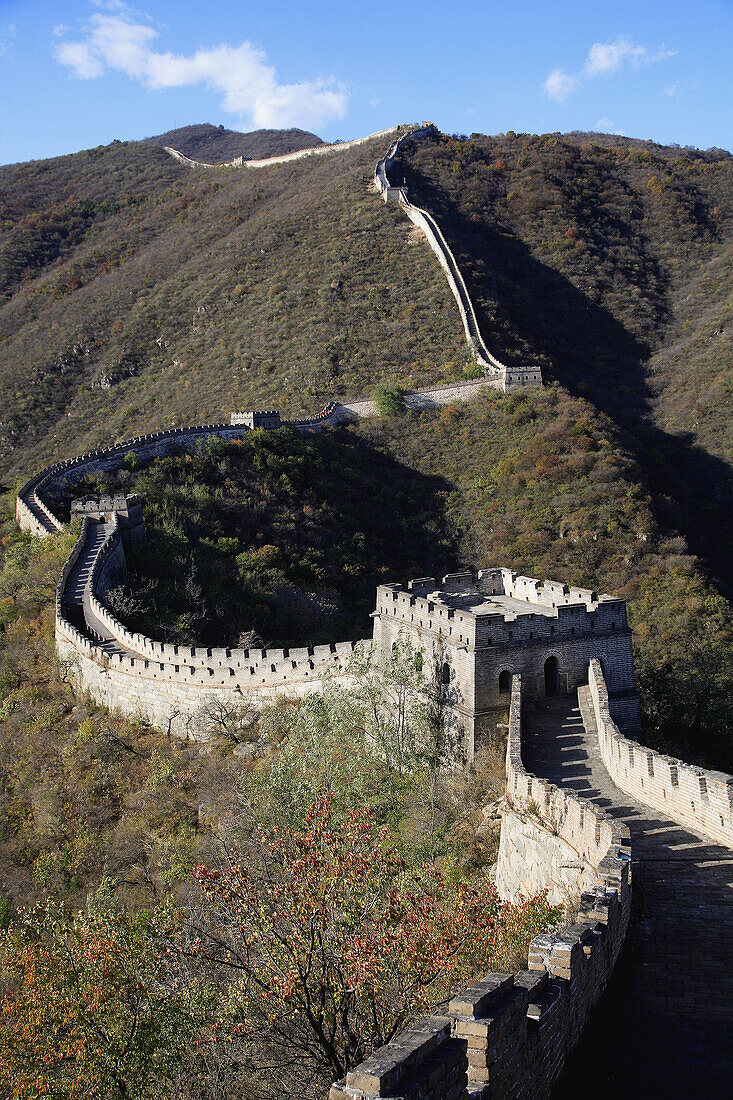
pixel 389 398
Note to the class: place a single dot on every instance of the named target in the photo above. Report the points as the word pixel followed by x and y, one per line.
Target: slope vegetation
pixel 138 292
pixel 215 144
pixel 609 263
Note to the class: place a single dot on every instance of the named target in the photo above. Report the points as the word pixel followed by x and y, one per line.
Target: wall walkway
pixel 509 1036
pixel 173 687
pixel 665 1026
pixel 283 158
pixel 510 377
pixel 662 1020
pixel 504 377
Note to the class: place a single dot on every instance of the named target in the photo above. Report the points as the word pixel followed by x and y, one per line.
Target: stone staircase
pixel 664 1028
pixel 77 606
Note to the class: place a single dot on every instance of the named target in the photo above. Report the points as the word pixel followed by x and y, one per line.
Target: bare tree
pixel 219 718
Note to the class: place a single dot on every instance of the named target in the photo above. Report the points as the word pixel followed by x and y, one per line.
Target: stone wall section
pixel 586 834
pixel 171 686
pixel 477 649
pixel 509 378
pixel 172 698
pixel 698 798
pixel 505 378
pixel 507 1037
pixel 417 400
pixel 283 158
pixel 32 514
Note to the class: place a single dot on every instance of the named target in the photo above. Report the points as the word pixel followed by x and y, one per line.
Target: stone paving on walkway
pixel 77 605
pixel 665 1026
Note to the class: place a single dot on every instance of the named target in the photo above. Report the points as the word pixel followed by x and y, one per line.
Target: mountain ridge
pixel 206 142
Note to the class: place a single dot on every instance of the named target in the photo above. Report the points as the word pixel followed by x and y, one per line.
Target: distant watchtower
pixel 128 510
pixel 480 630
pixel 268 419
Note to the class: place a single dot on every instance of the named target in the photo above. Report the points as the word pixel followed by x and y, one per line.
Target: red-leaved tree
pixel 337 943
pixel 88 1009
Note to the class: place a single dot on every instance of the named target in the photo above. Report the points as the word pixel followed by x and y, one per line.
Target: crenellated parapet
pixel 698 798
pixel 583 838
pixel 511 1034
pixel 170 686
pixel 281 158
pixel 507 378
pixel 483 628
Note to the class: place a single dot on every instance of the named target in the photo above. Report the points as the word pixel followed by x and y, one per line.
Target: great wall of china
pixel 503 377
pixel 587 807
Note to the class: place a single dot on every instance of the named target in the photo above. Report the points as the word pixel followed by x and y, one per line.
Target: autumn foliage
pixel 338 941
pixel 88 1010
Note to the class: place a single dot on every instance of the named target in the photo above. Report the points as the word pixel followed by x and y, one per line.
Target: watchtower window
pixel 445 673
pixel 505 680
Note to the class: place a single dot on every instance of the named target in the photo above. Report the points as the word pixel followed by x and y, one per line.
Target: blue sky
pixel 80 73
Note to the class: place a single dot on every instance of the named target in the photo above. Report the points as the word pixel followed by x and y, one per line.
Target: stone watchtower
pixel 129 512
pixel 268 419
pixel 480 630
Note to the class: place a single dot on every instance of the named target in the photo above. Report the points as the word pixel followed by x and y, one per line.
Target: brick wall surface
pixel 696 797
pixel 508 1036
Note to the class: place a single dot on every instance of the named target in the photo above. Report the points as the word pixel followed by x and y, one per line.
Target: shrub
pixel 389 398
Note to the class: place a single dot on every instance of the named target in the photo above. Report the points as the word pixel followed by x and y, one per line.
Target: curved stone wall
pixel 283 158
pixel 572 831
pixel 698 798
pixel 511 377
pixel 511 1034
pixel 170 686
pixel 33 515
pixel 507 378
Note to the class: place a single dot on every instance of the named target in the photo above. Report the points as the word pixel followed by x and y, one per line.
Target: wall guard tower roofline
pixel 480 630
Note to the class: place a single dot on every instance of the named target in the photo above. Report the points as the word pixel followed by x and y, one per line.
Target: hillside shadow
pixel 595 357
pixel 288 537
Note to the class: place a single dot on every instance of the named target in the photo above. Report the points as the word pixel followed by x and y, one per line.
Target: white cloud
pixel 608 126
pixel 681 88
pixel 121 43
pixel 60 30
pixel 7 34
pixel 559 85
pixel 78 56
pixel 603 59
pixel 609 57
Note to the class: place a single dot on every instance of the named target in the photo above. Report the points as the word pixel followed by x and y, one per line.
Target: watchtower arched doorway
pixel 505 681
pixel 552 680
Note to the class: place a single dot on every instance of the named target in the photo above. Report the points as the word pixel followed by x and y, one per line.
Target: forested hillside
pixel 608 261
pixel 138 293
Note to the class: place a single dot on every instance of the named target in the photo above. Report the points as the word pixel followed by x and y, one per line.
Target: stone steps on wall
pixel 667 1018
